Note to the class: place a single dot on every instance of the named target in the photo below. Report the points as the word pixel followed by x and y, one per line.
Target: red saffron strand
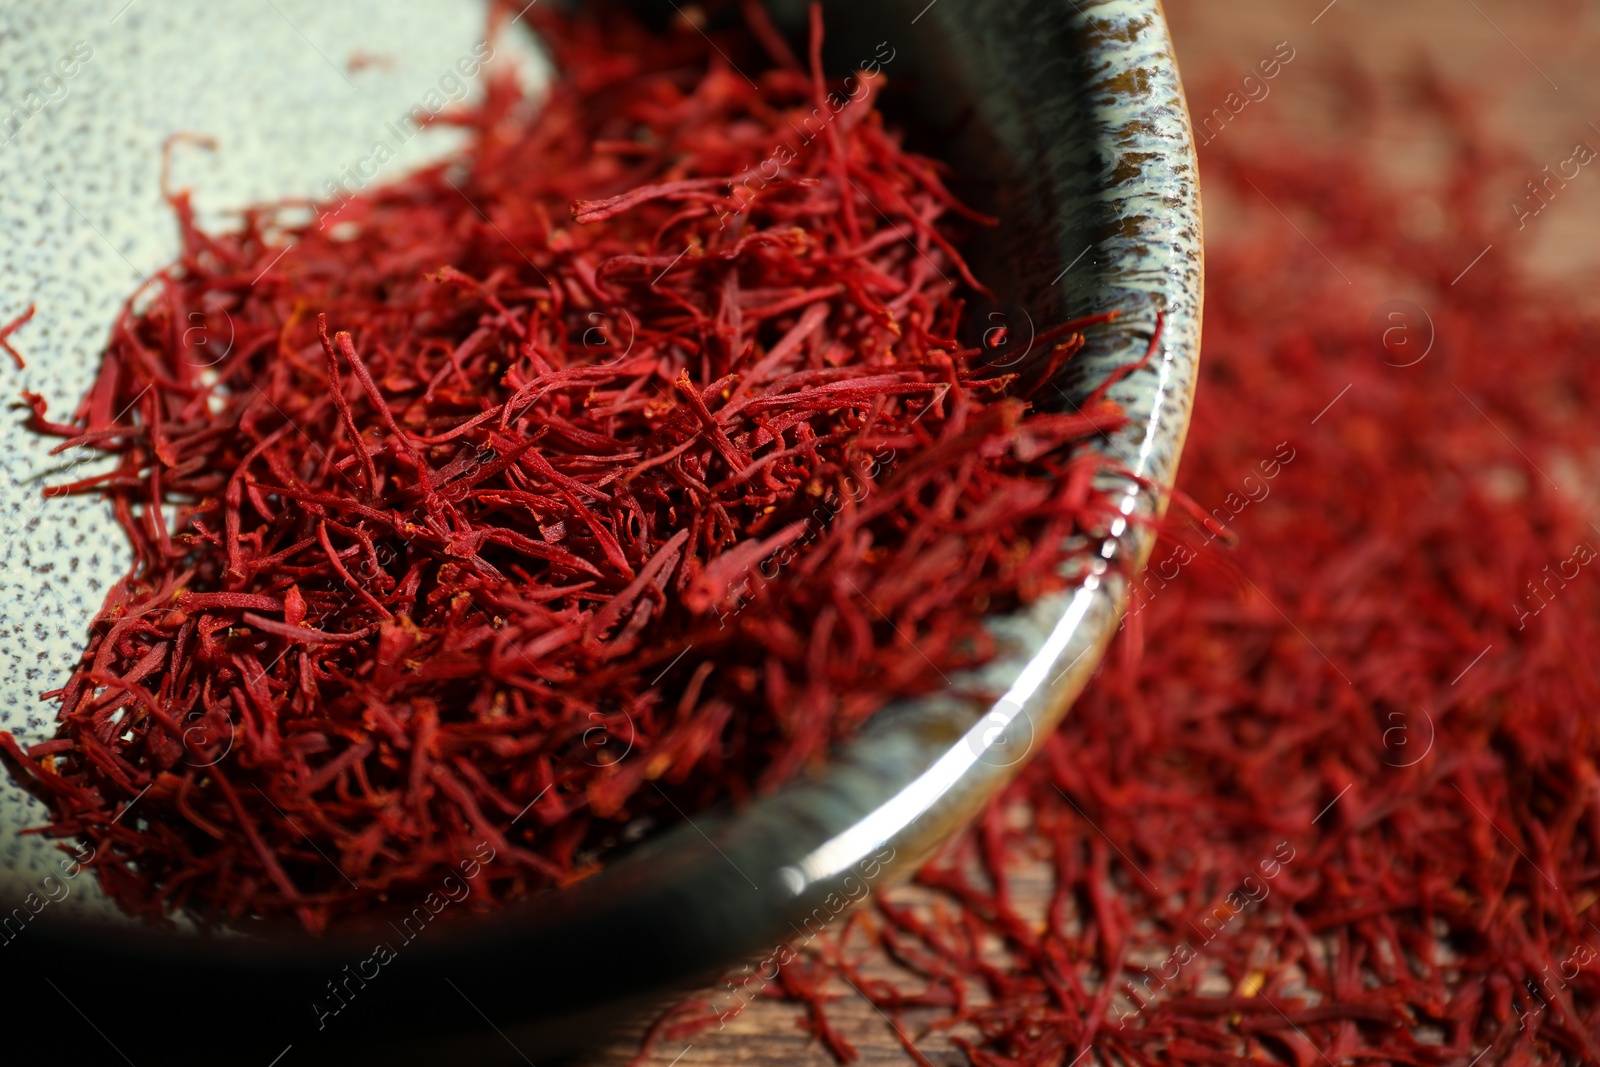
pixel 10 328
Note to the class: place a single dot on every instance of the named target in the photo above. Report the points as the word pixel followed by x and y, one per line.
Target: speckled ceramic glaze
pixel 1066 120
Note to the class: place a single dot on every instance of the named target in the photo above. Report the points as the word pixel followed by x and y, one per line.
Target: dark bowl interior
pixel 1041 106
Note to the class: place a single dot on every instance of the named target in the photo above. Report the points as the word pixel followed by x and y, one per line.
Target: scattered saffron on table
pixel 1335 796
pixel 601 473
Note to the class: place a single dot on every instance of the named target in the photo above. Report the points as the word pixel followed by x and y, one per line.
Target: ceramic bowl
pixel 1064 118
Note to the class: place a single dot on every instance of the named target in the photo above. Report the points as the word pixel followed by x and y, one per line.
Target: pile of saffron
pixel 617 467
pixel 1335 796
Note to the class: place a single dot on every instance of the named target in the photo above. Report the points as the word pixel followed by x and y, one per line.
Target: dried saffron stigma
pixel 618 466
pixel 1343 805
